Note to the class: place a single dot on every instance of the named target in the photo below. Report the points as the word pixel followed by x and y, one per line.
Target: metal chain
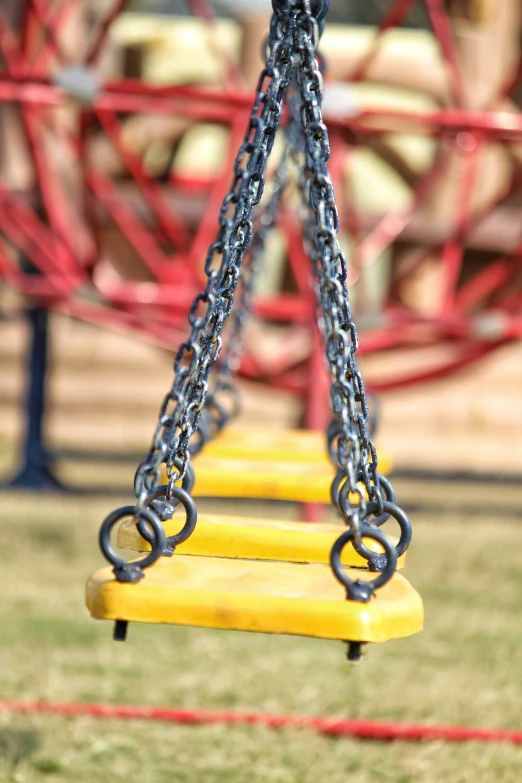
pixel 356 453
pixel 181 409
pixel 307 218
pixel 229 360
pixel 291 55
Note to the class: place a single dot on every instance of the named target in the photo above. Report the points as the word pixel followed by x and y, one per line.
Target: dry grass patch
pixel 462 669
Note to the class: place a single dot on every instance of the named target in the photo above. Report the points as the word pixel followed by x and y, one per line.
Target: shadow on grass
pixel 17 745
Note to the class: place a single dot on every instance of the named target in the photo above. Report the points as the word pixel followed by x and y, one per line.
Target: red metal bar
pixel 393 224
pixel 470 354
pixel 10 50
pixel 298 260
pixel 51 194
pixel 88 211
pixel 453 250
pixel 122 321
pixel 474 221
pixel 444 35
pixel 57 17
pixel 27 31
pixel 95 48
pixel 34 238
pixel 138 236
pixel 208 226
pixel 486 282
pixel 43 12
pixel 214 106
pixel 18 238
pixel 178 298
pixel 317 409
pixel 509 86
pixel 151 190
pixel 393 18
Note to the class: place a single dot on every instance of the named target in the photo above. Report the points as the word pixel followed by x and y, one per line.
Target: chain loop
pixel 182 407
pixel 229 360
pixel 291 59
pixel 355 452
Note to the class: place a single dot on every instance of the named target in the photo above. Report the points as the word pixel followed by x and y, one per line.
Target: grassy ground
pixel 464 669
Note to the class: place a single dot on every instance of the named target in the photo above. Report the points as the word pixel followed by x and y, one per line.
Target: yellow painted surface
pixel 255 539
pixel 271 475
pixel 249 595
pixel 262 479
pixel 259 444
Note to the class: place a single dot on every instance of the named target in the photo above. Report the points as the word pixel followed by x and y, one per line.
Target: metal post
pixel 36 471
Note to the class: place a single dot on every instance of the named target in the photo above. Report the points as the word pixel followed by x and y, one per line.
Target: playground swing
pixel 289 465
pixel 294 465
pixel 358 605
pixel 252 469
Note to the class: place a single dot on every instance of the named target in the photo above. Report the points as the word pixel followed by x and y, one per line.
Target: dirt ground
pixel 105 390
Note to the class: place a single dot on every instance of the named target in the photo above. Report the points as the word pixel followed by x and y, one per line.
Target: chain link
pixel 356 454
pixel 228 365
pixel 181 410
pixel 291 57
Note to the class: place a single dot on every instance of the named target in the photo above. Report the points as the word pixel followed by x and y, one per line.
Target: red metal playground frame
pixel 61 248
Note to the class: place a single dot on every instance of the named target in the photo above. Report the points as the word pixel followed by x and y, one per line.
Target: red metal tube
pixel 95 48
pixel 453 250
pixel 56 17
pixel 444 35
pixel 393 18
pixel 141 239
pixel 150 189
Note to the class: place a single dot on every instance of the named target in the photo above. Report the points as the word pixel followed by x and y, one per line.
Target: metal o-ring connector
pixel 359 589
pixel 191 519
pixel 339 491
pixel 188 482
pixel 377 561
pixel 132 571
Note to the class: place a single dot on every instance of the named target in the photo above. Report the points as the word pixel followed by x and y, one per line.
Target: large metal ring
pixel 405 538
pixel 189 479
pixel 359 589
pixel 132 571
pixel 171 542
pixel 389 494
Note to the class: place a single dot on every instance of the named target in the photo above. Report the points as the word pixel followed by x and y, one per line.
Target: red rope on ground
pixel 333 727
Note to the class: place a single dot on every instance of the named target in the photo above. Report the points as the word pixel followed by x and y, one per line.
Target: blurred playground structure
pixel 118 130
pixel 111 174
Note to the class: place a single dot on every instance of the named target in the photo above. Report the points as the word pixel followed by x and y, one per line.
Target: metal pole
pixel 36 471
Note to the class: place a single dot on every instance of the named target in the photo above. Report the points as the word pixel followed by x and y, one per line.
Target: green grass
pixel 463 669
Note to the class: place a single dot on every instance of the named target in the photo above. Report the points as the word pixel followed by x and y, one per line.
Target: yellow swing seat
pixel 276 445
pixel 256 539
pixel 262 479
pixel 249 595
